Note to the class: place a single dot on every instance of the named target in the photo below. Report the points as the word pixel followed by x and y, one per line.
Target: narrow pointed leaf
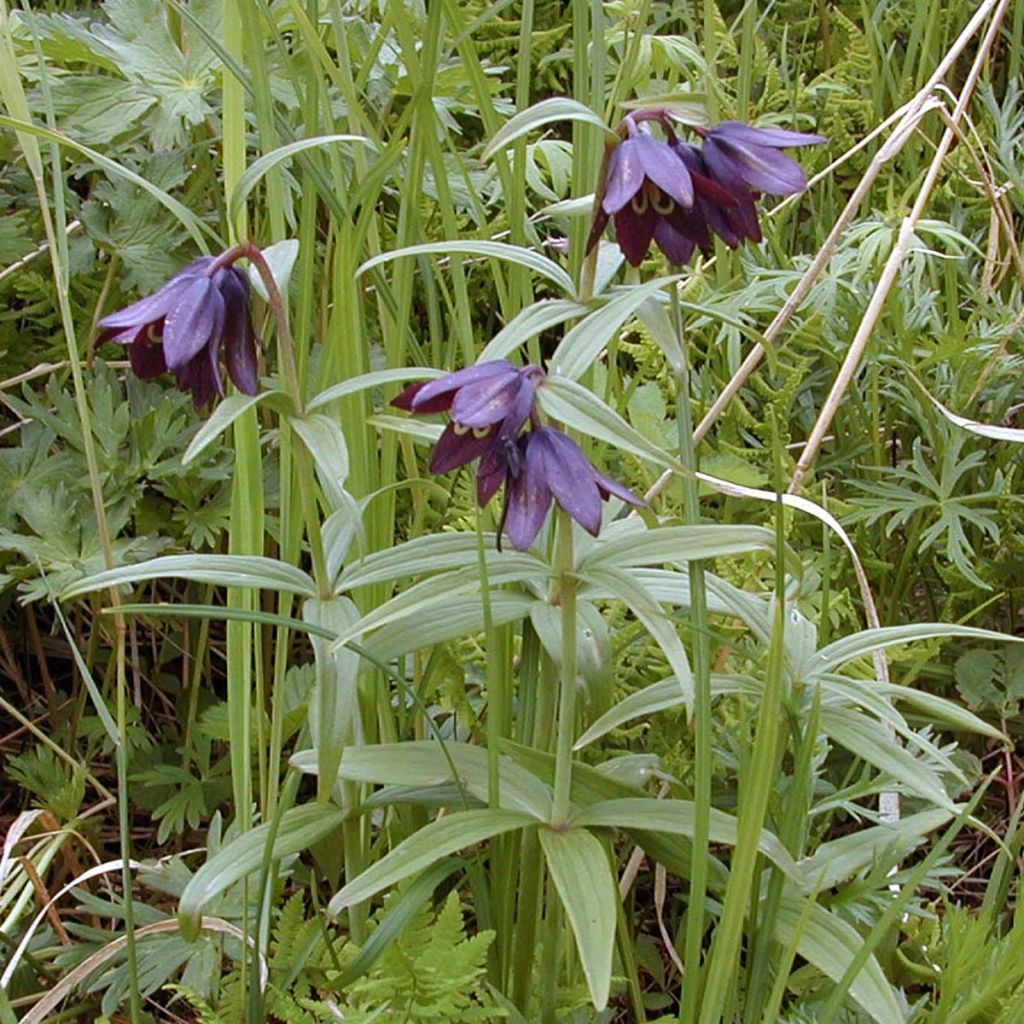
pixel 582 875
pixel 491 250
pixel 299 828
pixel 425 847
pixel 219 570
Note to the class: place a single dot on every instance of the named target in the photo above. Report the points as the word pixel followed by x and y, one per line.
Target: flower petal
pixel 436 395
pixel 751 135
pixel 198 314
pixel 607 486
pixel 152 307
pixel 239 338
pixel 673 243
pixel 486 402
pixel 568 474
pixel 147 360
pixel 634 231
pixel 457 446
pixel 625 175
pixel 528 502
pixel 664 167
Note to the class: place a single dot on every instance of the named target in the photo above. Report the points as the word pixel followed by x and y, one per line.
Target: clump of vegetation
pixel 709 314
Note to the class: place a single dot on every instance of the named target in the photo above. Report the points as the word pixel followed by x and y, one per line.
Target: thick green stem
pixel 701 656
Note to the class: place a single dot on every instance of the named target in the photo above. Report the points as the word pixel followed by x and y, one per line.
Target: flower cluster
pixel 184 326
pixel 489 405
pixel 678 194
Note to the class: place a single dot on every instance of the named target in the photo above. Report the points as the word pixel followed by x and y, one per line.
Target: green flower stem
pixel 701 656
pixel 565 566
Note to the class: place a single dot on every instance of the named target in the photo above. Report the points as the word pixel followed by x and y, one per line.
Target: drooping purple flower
pixel 731 222
pixel 740 155
pixel 649 199
pixel 644 183
pixel 553 466
pixel 183 326
pixel 488 403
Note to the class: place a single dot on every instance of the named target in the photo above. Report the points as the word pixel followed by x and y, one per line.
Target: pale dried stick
pixel 914 111
pixel 869 321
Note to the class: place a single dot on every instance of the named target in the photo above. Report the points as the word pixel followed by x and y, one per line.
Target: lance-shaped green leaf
pixel 324 440
pixel 334 706
pixel 861 644
pixel 434 553
pixel 558 108
pixel 585 884
pixel 529 322
pixel 660 696
pixel 227 411
pixel 572 404
pixel 425 847
pixel 624 587
pixel 491 250
pixel 584 343
pixel 376 379
pixel 299 828
pixel 861 735
pixel 677 817
pixel 430 593
pixel 219 570
pixel 258 168
pixel 839 859
pixel 444 620
pixel 675 545
pixel 830 944
pixel 431 763
pixel 280 259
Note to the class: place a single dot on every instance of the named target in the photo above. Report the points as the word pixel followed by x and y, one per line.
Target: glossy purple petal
pixel 529 499
pixel 750 135
pixel 196 377
pixel 568 474
pixel 188 327
pixel 405 397
pixel 768 170
pixel 239 337
pixel 625 176
pixel 634 232
pixel 723 168
pixel 673 243
pixel 459 445
pixel 502 461
pixel 152 307
pixel 436 395
pixel 609 487
pixel 665 169
pixel 486 402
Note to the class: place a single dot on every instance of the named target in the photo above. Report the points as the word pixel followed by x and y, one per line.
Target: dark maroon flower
pixel 739 155
pixel 554 466
pixel 183 326
pixel 732 222
pixel 645 183
pixel 677 194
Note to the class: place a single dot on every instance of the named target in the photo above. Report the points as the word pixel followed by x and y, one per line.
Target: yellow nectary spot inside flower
pixel 480 432
pixel 663 204
pixel 460 430
pixel 639 202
